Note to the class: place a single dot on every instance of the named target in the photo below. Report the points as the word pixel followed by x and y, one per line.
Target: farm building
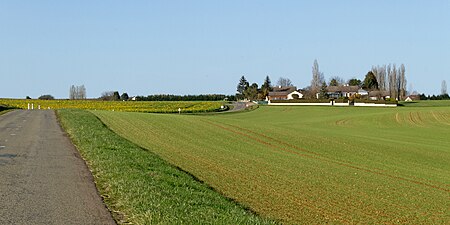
pixel 284 93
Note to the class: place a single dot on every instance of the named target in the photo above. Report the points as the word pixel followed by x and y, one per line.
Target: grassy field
pixel 141 188
pixel 127 106
pixel 311 165
pixel 427 103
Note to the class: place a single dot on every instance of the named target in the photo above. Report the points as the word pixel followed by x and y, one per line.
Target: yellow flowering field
pixel 124 106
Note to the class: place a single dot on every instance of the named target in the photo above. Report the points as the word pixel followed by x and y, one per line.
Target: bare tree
pixel 444 88
pixel 318 79
pixel 392 74
pixel 77 92
pixel 401 82
pixel 72 92
pixel 380 74
pixel 82 93
pixel 284 82
pixel 107 96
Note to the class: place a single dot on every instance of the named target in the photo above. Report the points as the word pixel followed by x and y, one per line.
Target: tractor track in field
pixel 415 119
pixel 397 118
pixel 439 120
pixel 314 155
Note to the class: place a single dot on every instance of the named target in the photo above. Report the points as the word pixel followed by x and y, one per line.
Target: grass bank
pixel 141 188
pixel 4 109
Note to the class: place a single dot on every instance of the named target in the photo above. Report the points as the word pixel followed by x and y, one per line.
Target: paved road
pixel 238 106
pixel 43 180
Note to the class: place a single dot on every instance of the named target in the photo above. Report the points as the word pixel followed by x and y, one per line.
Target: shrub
pixel 341 100
pixel 375 101
pixel 46 97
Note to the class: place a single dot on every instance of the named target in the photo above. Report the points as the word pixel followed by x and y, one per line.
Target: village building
pixel 411 98
pixel 379 95
pixel 341 91
pixel 284 93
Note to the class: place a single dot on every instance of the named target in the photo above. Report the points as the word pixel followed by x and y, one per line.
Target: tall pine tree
pixel 241 87
pixel 266 87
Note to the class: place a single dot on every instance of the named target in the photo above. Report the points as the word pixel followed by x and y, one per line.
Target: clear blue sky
pixel 195 47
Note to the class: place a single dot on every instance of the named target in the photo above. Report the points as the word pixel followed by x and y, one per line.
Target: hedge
pixel 375 101
pixel 302 101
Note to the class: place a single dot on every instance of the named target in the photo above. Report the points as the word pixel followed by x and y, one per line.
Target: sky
pixel 204 47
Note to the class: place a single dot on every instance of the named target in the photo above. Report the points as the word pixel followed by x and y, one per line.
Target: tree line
pixel 443 96
pixel 254 92
pixel 205 97
pixel 381 78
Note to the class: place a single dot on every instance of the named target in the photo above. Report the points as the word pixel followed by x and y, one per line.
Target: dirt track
pixel 43 180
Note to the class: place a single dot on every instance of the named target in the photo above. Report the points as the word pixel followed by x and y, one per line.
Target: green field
pixel 427 103
pixel 310 165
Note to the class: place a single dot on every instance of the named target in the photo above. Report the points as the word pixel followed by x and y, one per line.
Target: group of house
pixel 287 93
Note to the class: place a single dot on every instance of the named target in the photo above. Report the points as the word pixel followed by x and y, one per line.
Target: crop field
pixel 125 106
pixel 311 165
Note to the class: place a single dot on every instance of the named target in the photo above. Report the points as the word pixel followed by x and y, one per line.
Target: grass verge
pixel 141 188
pixel 5 109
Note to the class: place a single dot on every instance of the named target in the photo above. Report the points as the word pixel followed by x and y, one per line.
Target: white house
pixel 290 95
pixel 363 92
pixel 283 93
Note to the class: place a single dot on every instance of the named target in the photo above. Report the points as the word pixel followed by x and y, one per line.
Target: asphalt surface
pixel 238 106
pixel 43 180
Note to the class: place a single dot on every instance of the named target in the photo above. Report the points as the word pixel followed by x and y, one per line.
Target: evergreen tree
pixel 266 87
pixel 241 87
pixel 124 97
pixel 251 93
pixel 370 82
pixel 333 82
pixel 354 82
pixel 323 91
pixel 116 96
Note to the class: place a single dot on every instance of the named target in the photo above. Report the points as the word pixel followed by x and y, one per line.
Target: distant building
pixel 341 91
pixel 284 93
pixel 411 98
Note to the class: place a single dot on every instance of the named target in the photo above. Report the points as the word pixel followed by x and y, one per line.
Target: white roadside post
pixel 39 106
pixel 28 106
pixel 32 105
pixel 179 110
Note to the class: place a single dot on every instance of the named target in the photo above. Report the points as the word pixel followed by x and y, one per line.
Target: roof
pixel 342 88
pixel 284 89
pixel 279 93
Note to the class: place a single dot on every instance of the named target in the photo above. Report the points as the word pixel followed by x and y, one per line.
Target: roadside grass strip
pixel 138 187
